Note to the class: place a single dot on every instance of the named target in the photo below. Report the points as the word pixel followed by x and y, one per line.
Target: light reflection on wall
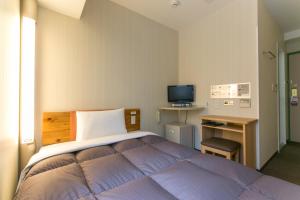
pixel 27 80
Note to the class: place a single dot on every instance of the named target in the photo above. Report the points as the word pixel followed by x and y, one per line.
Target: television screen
pixel 180 93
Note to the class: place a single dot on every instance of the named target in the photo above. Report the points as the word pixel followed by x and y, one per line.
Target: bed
pixel 141 165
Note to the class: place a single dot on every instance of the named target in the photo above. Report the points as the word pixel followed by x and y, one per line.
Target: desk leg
pixel 245 145
pixel 251 145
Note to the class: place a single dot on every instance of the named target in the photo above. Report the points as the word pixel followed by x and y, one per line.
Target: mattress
pixel 142 166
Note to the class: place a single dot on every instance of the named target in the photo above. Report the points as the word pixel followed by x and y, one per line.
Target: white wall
pixel 112 57
pixel 269 35
pixel 293 45
pixel 221 49
pixel 9 101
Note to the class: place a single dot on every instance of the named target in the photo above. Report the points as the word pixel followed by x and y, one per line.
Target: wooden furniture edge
pixel 225 128
pixel 227 154
pixel 191 108
pixel 58 127
pixel 229 119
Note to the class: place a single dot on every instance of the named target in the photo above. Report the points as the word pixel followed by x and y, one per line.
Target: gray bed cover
pixel 148 168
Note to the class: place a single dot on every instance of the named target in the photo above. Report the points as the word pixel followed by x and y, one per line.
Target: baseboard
pixel 268 161
pixel 291 142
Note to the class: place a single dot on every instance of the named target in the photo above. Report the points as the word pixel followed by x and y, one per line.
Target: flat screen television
pixel 181 94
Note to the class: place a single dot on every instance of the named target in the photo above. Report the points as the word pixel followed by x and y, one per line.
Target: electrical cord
pixel 186 116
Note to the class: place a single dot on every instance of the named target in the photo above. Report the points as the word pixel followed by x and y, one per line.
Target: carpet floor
pixel 286 164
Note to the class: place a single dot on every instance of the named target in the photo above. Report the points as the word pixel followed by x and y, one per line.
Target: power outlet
pixel 133 118
pixel 228 102
pixel 245 103
pixel 157 116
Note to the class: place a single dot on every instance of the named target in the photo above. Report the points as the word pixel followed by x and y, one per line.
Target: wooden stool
pixel 228 148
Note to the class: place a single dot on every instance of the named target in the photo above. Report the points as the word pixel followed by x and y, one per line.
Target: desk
pixel 242 130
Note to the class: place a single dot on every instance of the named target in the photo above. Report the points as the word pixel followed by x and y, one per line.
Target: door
pixel 294 73
pixel 282 98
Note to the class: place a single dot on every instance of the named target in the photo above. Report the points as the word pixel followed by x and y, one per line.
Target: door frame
pixel 281 52
pixel 289 93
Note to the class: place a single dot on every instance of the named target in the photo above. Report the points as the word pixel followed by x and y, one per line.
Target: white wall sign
pixel 231 91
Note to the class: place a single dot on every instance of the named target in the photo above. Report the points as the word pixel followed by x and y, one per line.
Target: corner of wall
pixel 269 38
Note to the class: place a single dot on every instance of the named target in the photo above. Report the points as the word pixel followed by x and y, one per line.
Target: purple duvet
pixel 148 168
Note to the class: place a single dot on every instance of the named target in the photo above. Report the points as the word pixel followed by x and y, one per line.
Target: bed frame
pixel 60 127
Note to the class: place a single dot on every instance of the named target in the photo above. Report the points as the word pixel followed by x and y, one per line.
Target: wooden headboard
pixel 60 127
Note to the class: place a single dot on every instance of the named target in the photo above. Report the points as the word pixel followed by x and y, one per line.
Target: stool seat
pixel 222 144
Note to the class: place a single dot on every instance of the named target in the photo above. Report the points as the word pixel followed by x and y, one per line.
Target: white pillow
pixel 95 124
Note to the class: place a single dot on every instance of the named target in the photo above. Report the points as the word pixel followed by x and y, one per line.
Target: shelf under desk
pixel 242 130
pixel 232 128
pixel 228 119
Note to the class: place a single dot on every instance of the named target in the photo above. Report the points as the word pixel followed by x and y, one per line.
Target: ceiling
pixel 286 13
pixel 175 17
pixel 71 8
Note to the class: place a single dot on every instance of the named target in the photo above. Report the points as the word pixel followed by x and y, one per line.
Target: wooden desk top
pixel 235 120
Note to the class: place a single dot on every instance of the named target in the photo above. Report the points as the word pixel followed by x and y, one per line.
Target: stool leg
pixel 203 150
pixel 228 156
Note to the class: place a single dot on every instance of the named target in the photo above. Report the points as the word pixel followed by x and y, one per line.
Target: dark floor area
pixel 286 164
